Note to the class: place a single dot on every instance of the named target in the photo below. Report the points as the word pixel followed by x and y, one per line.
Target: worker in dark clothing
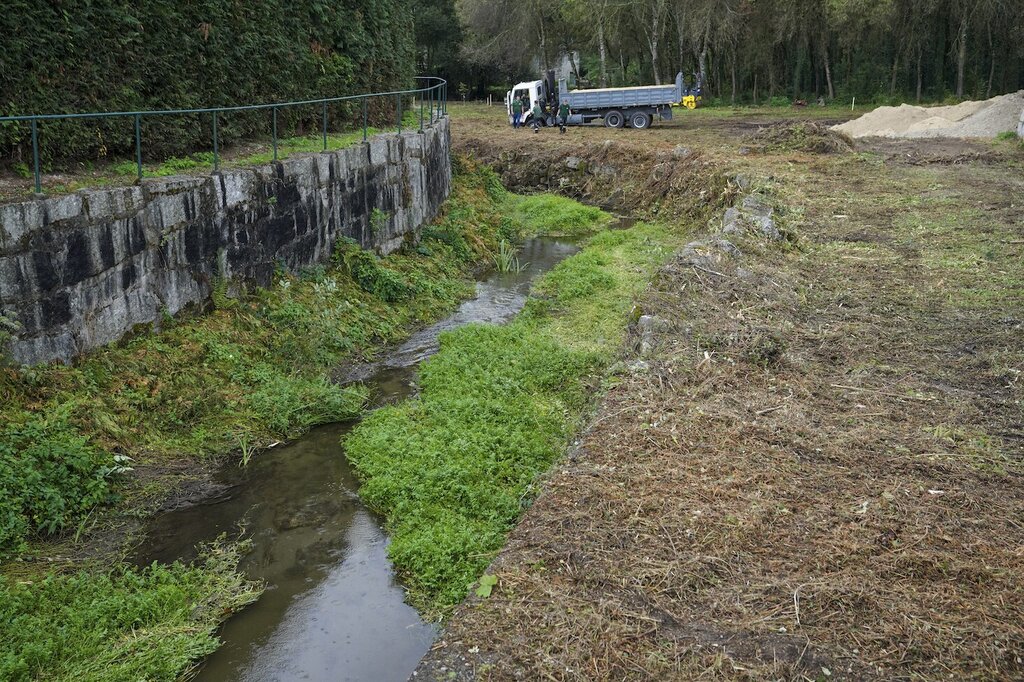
pixel 563 115
pixel 538 114
pixel 517 112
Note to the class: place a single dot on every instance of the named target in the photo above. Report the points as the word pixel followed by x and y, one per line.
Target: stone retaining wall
pixel 81 270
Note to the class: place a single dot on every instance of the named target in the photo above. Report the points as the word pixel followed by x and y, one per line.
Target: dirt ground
pixel 811 464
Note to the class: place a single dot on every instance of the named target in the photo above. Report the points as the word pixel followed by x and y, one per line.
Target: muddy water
pixel 333 609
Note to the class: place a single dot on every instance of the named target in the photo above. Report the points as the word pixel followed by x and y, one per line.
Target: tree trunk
pixel 702 58
pixel 654 61
pixel 680 39
pixel 755 89
pixel 652 42
pixel 961 58
pixel 992 64
pixel 572 63
pixel 733 70
pixel 895 72
pixel 920 77
pixel 828 74
pixel 797 68
pixel 657 9
pixel 603 51
pixel 544 48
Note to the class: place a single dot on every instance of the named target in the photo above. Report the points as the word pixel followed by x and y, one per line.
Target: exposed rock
pixel 742 181
pixel 753 214
pixel 708 253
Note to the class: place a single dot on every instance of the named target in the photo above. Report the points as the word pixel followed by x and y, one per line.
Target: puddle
pixel 333 609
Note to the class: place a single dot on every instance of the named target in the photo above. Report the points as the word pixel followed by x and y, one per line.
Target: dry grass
pixel 803 136
pixel 818 472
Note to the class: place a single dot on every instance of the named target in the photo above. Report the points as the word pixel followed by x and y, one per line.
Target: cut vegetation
pixel 815 469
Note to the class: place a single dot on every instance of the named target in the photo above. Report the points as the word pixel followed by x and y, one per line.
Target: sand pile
pixel 987 118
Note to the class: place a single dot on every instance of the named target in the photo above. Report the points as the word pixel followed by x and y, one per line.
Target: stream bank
pixel 218 386
pixel 332 597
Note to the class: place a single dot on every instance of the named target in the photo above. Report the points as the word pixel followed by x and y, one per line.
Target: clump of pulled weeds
pixel 801 136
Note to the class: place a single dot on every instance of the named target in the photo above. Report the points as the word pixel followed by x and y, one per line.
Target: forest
pixel 752 51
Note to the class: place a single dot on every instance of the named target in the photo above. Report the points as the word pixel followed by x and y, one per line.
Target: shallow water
pixel 333 609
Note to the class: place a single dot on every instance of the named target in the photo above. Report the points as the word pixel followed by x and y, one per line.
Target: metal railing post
pixel 364 119
pixel 399 107
pixel 421 112
pixel 324 116
pixel 138 145
pixel 445 88
pixel 274 130
pixel 35 156
pixel 216 151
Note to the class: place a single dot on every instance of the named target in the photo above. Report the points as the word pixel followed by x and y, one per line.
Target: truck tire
pixel 614 119
pixel 640 120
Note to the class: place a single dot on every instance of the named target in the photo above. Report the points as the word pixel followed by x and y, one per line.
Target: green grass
pixel 454 468
pixel 252 372
pixel 126 625
pixel 553 215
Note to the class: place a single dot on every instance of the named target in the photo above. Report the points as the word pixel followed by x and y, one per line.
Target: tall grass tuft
pixel 506 259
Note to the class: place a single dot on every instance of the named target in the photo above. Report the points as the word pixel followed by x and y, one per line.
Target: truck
pixel 635 107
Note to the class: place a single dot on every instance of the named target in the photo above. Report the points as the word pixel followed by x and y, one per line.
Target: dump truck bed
pixel 622 98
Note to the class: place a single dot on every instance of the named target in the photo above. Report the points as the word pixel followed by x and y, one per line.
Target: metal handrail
pixel 437 93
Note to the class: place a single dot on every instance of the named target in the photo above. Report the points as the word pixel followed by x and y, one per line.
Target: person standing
pixel 563 115
pixel 538 114
pixel 517 111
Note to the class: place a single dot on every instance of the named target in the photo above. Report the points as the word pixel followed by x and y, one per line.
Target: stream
pixel 333 608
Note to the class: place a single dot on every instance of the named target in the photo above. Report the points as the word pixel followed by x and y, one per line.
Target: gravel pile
pixel 986 118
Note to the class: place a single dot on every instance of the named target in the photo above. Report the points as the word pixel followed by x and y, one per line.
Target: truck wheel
pixel 614 119
pixel 640 120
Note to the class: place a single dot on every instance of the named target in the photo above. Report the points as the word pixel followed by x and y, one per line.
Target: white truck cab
pixel 528 92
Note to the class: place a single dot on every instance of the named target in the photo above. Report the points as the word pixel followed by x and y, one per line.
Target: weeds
pixel 253 371
pixel 555 216
pixel 130 624
pixel 378 221
pixel 506 260
pixel 50 475
pixel 453 469
pixel 246 450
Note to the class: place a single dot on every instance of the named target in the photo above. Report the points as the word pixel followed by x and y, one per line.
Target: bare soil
pixel 816 470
